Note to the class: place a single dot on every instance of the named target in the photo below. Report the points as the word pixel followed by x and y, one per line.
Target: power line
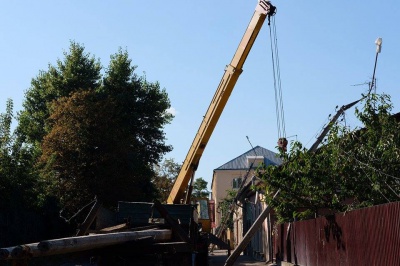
pixel 371 167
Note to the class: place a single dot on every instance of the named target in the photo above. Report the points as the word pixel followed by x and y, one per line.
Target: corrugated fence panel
pixel 369 236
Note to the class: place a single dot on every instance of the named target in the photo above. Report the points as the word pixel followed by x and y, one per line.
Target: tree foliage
pixel 5 156
pixel 226 208
pixel 353 169
pixel 166 174
pixel 78 71
pixel 93 135
pixel 200 188
pixel 17 184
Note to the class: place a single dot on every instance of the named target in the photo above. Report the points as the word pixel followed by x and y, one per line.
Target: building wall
pixel 243 167
pixel 260 246
pixel 222 181
pixel 238 225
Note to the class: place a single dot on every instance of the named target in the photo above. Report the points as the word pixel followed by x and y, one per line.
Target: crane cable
pixel 280 116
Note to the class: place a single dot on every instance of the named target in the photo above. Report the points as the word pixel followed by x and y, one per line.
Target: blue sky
pixel 325 47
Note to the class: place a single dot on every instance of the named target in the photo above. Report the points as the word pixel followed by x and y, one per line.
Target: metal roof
pixel 240 162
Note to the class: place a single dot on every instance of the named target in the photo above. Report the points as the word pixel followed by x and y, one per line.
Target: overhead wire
pixel 365 173
pixel 319 130
pixel 77 213
pixel 363 167
pixel 366 165
pixel 371 167
pixel 380 192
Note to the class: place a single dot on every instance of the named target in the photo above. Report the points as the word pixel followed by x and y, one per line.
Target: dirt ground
pixel 219 257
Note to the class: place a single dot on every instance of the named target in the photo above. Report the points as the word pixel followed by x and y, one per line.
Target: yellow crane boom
pixel 221 96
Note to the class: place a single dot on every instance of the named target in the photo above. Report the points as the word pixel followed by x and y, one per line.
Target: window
pixel 236 182
pixel 255 160
pixel 203 208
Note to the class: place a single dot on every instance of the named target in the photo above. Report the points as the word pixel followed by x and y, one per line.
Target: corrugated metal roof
pixel 240 162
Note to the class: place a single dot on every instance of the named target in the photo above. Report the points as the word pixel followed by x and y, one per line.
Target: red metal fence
pixel 369 236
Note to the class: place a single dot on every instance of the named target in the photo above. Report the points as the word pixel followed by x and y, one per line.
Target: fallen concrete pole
pixel 5 253
pixel 81 243
pixel 24 251
pixel 16 252
pixel 73 244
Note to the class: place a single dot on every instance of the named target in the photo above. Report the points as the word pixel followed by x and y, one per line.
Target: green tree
pixel 5 156
pixel 104 142
pixel 354 168
pixel 166 173
pixel 78 71
pixel 140 110
pixel 17 184
pixel 200 188
pixel 226 207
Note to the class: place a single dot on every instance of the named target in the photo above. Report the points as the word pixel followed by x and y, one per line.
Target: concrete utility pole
pixel 378 43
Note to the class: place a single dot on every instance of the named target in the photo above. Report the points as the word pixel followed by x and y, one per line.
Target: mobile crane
pixel 181 190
